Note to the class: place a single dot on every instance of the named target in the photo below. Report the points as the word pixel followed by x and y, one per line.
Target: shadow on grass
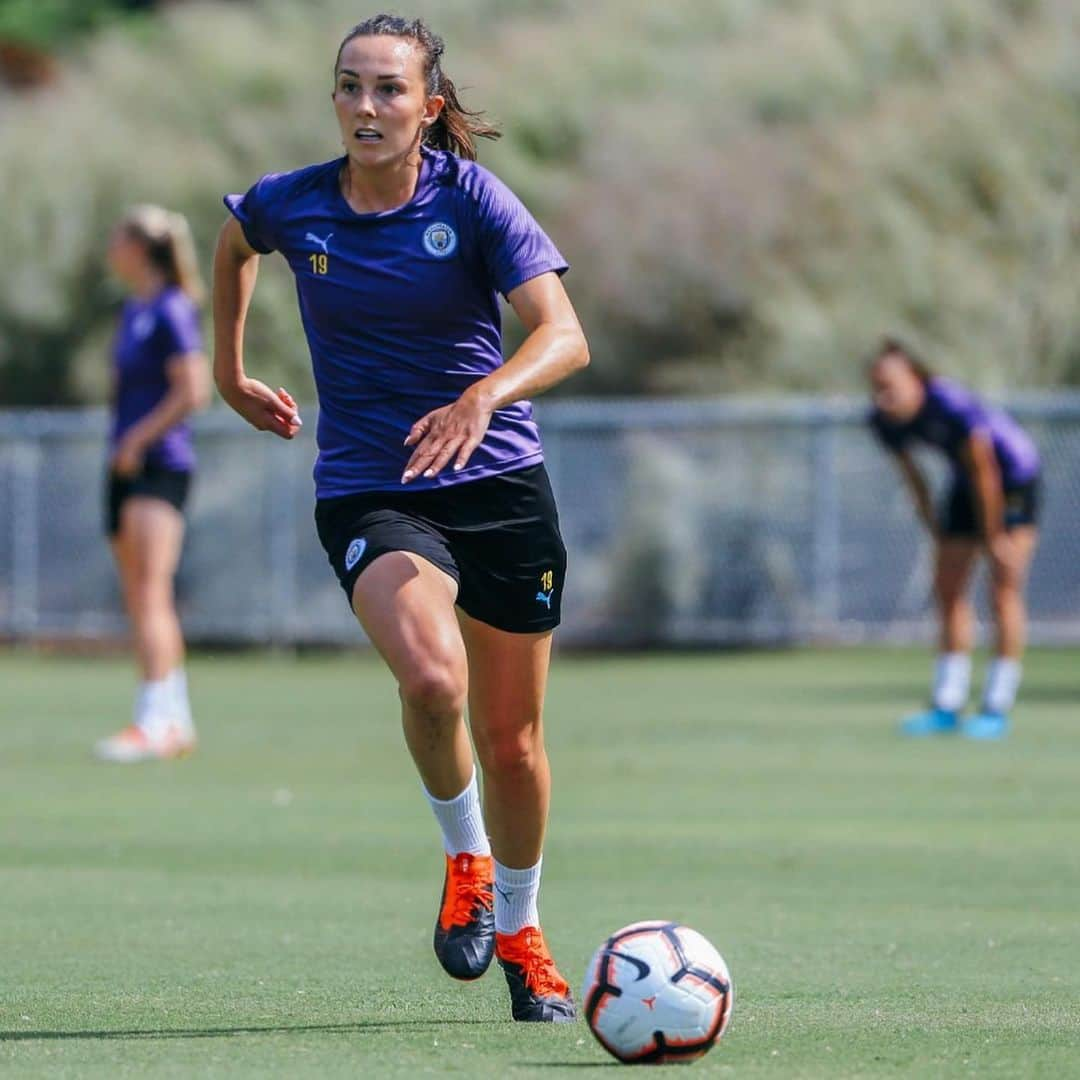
pixel 355 1027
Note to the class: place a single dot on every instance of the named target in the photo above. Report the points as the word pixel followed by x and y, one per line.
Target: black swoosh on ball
pixel 643 969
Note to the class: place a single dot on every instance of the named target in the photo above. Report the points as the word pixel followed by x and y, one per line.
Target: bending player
pixel 433 504
pixel 991 509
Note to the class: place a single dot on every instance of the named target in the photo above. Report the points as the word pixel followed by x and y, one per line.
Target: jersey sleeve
pixel 178 327
pixel 514 247
pixel 893 437
pixel 255 212
pixel 959 410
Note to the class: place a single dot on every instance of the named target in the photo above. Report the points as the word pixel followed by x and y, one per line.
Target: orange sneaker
pixel 538 993
pixel 135 744
pixel 465 929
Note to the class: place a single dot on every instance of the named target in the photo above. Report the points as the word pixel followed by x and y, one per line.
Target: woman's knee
pixel 434 687
pixel 510 753
pixel 148 594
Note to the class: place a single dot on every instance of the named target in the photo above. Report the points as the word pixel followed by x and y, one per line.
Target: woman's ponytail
pixel 456 129
pixel 170 247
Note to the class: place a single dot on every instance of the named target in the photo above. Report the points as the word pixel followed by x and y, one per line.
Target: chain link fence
pixel 688 523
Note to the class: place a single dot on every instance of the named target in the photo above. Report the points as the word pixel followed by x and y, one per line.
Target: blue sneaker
pixel 986 725
pixel 931 722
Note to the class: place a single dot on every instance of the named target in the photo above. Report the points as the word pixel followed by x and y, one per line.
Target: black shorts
pixel 959 516
pixel 153 482
pixel 498 538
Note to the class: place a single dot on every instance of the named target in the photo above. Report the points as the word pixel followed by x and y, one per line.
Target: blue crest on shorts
pixel 440 240
pixel 355 552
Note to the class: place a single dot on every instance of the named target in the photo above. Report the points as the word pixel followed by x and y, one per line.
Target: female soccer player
pixel 160 377
pixel 991 509
pixel 431 492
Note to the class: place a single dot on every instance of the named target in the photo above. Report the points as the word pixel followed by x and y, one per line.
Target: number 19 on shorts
pixel 319 263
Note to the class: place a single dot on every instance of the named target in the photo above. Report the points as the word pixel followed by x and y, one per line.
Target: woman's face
pixel 125 255
pixel 897 390
pixel 380 99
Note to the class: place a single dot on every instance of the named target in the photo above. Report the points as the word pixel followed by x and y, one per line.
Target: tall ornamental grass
pixel 750 191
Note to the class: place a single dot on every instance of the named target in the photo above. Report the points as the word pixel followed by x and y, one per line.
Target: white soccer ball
pixel 657 993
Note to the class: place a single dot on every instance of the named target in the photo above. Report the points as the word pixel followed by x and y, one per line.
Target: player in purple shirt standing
pixel 431 497
pixel 991 509
pixel 159 378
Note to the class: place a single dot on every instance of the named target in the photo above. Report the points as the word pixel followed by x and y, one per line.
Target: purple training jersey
pixel 400 310
pixel 153 332
pixel 950 415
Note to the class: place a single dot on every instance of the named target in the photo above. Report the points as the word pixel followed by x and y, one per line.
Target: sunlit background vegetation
pixel 750 191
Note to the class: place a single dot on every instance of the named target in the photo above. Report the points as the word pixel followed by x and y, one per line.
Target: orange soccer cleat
pixel 135 744
pixel 538 993
pixel 465 929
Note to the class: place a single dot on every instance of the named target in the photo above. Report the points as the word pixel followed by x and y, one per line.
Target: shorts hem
pixel 504 625
pixel 348 582
pixel 959 519
pixel 170 486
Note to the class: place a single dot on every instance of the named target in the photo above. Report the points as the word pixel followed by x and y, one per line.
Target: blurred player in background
pixel 991 509
pixel 160 378
pixel 433 504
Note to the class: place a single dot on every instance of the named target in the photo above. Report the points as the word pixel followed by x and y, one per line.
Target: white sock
pixel 160 703
pixel 1002 682
pixel 515 897
pixel 461 821
pixel 179 703
pixel 952 681
pixel 152 703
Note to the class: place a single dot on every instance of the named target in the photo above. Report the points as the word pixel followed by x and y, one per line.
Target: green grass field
pixel 264 908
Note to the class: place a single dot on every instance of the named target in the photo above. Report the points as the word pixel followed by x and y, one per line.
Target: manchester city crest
pixel 440 240
pixel 355 553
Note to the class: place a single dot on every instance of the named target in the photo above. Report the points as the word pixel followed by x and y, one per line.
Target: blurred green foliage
pixel 49 22
pixel 750 190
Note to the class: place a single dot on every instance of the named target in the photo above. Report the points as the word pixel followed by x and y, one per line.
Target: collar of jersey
pixel 433 170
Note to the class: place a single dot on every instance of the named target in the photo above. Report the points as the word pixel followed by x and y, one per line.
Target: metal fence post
pixel 825 529
pixel 25 532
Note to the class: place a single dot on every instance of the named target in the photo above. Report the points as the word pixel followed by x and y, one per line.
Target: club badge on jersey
pixel 440 240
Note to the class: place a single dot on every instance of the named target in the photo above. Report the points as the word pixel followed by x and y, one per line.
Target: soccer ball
pixel 657 993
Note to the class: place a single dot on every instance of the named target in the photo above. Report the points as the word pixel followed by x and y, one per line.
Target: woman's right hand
pixel 264 409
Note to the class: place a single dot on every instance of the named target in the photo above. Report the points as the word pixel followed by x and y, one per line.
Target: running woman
pixel 432 501
pixel 160 378
pixel 991 509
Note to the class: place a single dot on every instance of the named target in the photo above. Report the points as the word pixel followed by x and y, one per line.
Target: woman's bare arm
pixel 236 266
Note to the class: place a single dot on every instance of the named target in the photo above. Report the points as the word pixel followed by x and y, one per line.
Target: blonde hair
pixel 169 244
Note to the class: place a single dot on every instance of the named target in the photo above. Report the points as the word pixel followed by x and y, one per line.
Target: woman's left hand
pixel 128 458
pixel 454 431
